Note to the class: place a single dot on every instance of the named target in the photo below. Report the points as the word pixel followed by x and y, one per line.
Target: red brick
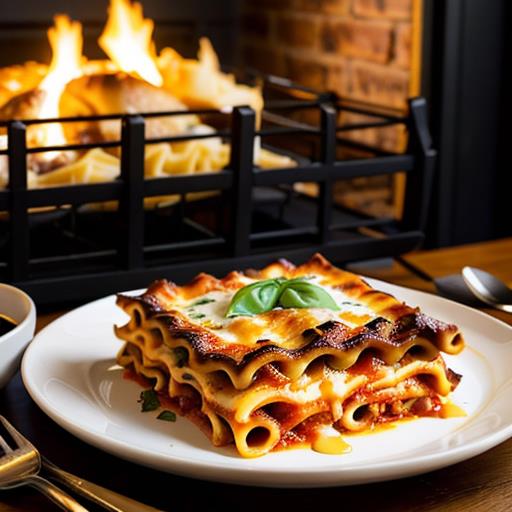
pixel 337 78
pixel 330 36
pixel 369 40
pixel 402 48
pixel 384 9
pixel 377 84
pixel 301 32
pixel 307 72
pixel 340 7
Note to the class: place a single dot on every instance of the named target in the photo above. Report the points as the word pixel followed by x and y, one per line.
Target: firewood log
pixel 120 94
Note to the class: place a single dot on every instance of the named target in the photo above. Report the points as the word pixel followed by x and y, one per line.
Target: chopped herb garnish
pixel 187 376
pixel 211 324
pixel 149 400
pixel 181 355
pixel 201 302
pixel 197 316
pixel 166 416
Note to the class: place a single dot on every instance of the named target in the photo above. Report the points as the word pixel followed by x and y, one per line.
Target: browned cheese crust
pixel 397 328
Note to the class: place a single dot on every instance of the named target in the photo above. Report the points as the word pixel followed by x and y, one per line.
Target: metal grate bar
pixel 316 172
pixel 69 147
pixel 242 156
pixel 193 244
pixel 74 194
pixel 83 287
pixel 18 211
pixel 131 206
pixel 419 183
pixel 4 200
pixel 120 116
pixel 190 183
pixel 268 132
pixel 133 258
pixel 291 104
pixel 190 136
pixel 327 157
pixel 372 112
pixel 115 144
pixel 108 253
pixel 373 166
pixel 364 126
pixel 362 223
pixel 282 233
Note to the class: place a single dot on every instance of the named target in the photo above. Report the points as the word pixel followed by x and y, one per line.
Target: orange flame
pixel 66 42
pixel 126 39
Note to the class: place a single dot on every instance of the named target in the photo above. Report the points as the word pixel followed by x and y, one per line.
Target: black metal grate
pixel 251 229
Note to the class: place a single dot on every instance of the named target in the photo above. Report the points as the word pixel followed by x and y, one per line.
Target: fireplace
pixel 279 180
pixel 367 51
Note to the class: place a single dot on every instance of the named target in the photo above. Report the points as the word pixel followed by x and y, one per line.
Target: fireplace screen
pixel 143 165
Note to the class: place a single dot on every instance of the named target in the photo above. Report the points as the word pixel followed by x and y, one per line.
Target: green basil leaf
pixel 265 295
pixel 149 400
pixel 201 302
pixel 255 298
pixel 298 293
pixel 167 416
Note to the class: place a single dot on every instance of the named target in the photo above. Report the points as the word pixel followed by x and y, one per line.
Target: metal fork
pixel 109 500
pixel 21 465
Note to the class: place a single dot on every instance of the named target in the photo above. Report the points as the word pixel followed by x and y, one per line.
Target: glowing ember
pixel 126 39
pixel 66 43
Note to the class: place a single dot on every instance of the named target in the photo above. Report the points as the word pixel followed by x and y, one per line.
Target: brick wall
pixel 365 50
pixel 360 48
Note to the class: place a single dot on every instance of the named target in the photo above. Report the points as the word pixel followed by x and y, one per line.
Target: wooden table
pixel 481 483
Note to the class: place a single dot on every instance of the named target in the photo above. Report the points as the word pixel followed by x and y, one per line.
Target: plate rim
pixel 252 475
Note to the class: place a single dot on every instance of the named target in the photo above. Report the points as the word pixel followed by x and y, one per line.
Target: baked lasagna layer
pixel 293 376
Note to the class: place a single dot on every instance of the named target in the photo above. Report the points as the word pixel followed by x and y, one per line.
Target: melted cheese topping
pixel 451 410
pixel 329 441
pixel 282 326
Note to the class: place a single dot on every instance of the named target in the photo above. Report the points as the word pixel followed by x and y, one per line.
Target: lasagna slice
pixel 287 356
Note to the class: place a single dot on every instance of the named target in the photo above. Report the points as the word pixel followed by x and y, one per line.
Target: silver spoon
pixel 488 288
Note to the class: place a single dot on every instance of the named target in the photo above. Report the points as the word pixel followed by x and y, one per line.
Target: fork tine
pixel 6 448
pixel 21 441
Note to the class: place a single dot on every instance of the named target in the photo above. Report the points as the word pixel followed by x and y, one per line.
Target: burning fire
pixel 127 40
pixel 165 80
pixel 66 42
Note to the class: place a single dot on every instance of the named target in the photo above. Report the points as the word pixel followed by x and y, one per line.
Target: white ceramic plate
pixel 69 371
